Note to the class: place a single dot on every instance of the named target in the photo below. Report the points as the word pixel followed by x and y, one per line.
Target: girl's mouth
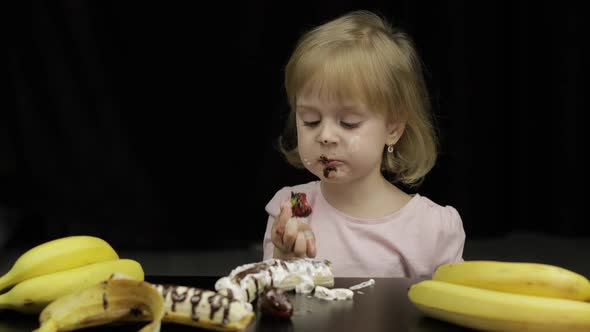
pixel 330 165
pixel 329 162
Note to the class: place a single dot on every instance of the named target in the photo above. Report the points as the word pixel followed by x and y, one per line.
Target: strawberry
pixel 299 205
pixel 274 302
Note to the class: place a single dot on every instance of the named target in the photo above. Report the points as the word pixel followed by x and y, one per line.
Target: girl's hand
pixel 291 237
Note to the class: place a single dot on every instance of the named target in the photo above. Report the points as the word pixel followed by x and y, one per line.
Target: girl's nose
pixel 327 136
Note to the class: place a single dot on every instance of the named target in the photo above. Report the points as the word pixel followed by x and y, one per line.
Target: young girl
pixel 359 116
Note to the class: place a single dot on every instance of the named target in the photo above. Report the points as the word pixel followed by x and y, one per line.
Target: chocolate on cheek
pixel 354 144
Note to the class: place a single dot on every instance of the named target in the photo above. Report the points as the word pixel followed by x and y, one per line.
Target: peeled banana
pixel 58 255
pixel 105 302
pixel 32 295
pixel 204 308
pixel 515 277
pixel 490 310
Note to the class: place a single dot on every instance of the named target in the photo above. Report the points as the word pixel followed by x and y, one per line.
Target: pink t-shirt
pixel 411 242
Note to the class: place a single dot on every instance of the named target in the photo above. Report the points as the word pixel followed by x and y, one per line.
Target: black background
pixel 152 124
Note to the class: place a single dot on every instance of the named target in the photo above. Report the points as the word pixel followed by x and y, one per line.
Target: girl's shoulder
pixel 428 211
pixel 441 234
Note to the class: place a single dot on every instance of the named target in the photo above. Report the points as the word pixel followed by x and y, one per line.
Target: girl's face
pixel 341 141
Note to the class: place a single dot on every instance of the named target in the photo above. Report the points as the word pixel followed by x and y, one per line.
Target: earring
pixel 390 148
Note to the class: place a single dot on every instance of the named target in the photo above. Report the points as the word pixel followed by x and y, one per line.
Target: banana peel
pixel 113 300
pixel 121 299
pixel 202 308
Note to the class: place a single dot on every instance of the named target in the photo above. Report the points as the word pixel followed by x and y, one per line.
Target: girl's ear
pixel 395 130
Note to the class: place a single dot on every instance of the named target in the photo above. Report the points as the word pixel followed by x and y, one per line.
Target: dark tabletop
pixel 382 307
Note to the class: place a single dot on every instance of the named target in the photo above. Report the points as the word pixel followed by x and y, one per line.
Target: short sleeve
pixel 267 245
pixel 273 208
pixel 451 238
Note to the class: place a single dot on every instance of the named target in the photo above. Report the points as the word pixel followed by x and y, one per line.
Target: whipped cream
pixel 305 285
pixel 334 294
pixel 363 284
pixel 247 281
pixel 203 304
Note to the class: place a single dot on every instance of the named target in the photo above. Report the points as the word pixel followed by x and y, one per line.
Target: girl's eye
pixel 310 123
pixel 349 125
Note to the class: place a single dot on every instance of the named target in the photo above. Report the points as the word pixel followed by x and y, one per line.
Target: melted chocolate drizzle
pixel 177 297
pixel 216 301
pixel 166 289
pixel 259 267
pixel 256 284
pixel 281 263
pixel 271 301
pixel 254 269
pixel 105 301
pixel 248 273
pixel 195 299
pixel 230 294
pixel 226 313
pixel 271 278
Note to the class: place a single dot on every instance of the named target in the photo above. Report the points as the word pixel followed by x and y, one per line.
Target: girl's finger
pixel 310 243
pixel 290 235
pixel 283 217
pixel 300 247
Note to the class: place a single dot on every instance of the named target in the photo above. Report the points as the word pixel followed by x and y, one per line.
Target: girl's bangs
pixel 338 77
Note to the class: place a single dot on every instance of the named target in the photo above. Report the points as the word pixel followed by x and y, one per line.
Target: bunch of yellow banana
pixel 80 281
pixel 506 296
pixel 59 267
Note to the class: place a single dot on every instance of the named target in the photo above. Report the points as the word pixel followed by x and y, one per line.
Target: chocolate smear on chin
pixel 327 171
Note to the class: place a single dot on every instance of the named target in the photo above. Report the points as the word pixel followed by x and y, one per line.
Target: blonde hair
pixel 360 55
